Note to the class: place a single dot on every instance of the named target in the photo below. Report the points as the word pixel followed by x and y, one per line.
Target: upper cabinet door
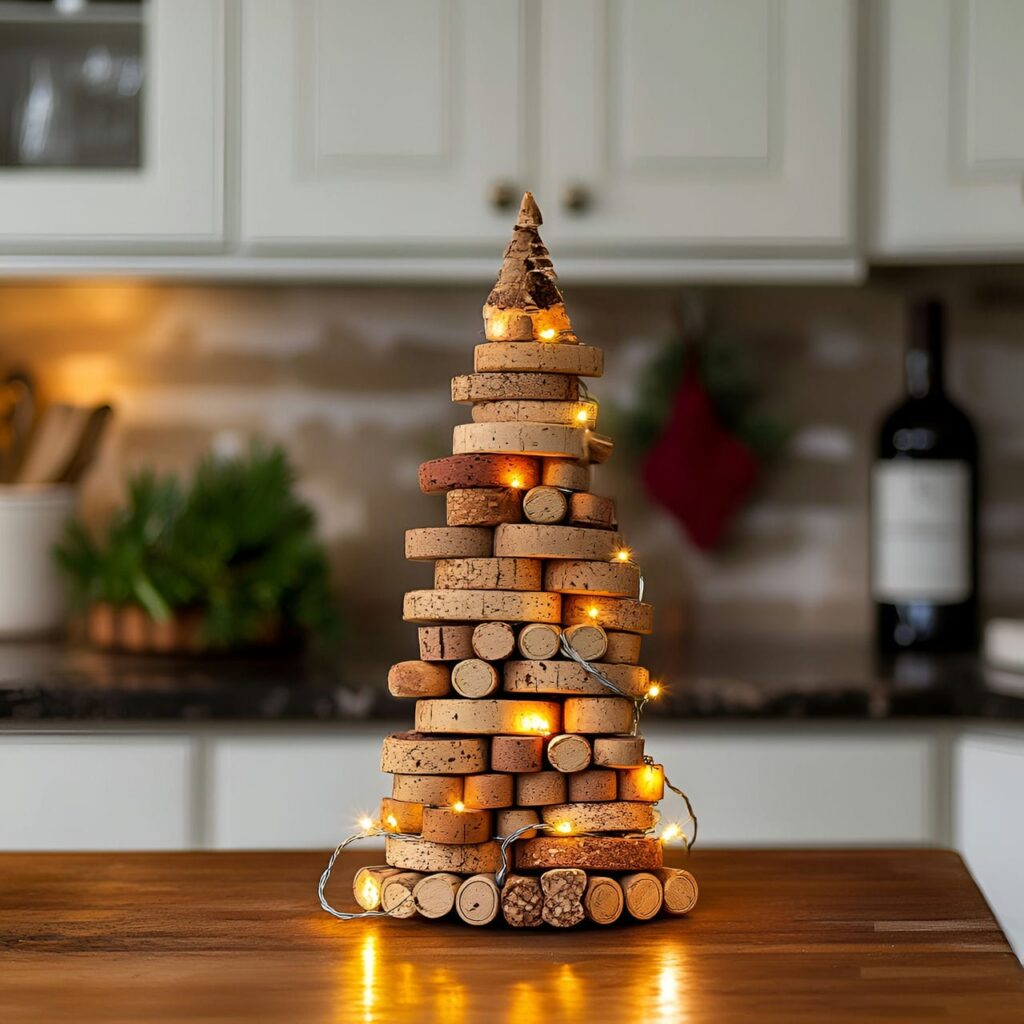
pixel 112 127
pixel 699 123
pixel 372 126
pixel 951 127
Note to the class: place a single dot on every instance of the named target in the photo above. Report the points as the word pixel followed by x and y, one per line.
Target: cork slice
pixel 605 579
pixel 569 414
pixel 530 540
pixel 619 751
pixel 445 643
pixel 595 715
pixel 448 825
pixel 567 473
pixel 598 853
pixel 400 815
pixel 614 613
pixel 623 648
pixel 483 506
pixel 603 816
pixel 422 855
pixel 431 542
pixel 515 357
pixel 433 790
pixel 488 717
pixel 520 438
pixel 411 753
pixel 569 678
pixel 488 574
pixel 488 387
pixel 480 606
pixel 594 784
pixel 592 510
pixel 478 470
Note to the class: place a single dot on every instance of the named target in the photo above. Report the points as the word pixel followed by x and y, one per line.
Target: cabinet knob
pixel 503 196
pixel 576 199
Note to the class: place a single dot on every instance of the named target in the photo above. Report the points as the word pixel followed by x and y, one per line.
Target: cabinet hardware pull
pixel 576 199
pixel 503 195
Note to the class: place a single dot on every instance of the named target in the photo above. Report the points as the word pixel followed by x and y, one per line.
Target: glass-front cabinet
pixel 111 125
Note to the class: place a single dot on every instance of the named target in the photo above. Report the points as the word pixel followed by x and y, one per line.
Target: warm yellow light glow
pixel 497 328
pixel 369 893
pixel 547 334
pixel 516 482
pixel 653 691
pixel 391 821
pixel 365 823
pixel 458 806
pixel 622 555
pixel 582 416
pixel 670 832
pixel 534 723
pixel 592 612
pixel 565 827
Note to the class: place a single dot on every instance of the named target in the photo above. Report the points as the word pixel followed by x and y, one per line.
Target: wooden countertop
pixel 778 936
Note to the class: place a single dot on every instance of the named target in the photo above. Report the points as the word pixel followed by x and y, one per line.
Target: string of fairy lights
pixel 672 832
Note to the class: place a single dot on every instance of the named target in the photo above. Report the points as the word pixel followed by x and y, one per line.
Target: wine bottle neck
pixel 925 350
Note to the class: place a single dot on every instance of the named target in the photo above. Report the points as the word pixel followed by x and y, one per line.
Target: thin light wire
pixel 507 841
pixel 688 841
pixel 344 915
pixel 639 703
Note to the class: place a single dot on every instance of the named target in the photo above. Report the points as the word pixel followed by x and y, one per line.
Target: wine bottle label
pixel 922 539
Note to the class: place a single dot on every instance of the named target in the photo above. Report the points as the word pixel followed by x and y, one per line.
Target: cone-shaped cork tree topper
pixel 524 792
pixel 525 303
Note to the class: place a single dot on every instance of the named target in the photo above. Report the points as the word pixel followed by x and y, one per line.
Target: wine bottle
pixel 924 500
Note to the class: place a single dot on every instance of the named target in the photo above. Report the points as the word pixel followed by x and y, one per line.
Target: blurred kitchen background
pixel 278 220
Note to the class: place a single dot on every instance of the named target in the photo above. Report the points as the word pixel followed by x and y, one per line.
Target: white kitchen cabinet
pixel 81 791
pixel 950 153
pixel 988 797
pixel 367 125
pixel 171 198
pixel 698 123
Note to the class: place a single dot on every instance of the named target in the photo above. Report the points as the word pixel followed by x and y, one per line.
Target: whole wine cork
pixel 513 819
pixel 447 825
pixel 569 414
pixel 619 751
pixel 488 790
pixel 643 894
pixel 593 785
pixel 483 506
pixel 606 816
pixel 517 753
pixel 411 753
pixel 475 678
pixel 603 900
pixel 489 387
pixel 491 717
pixel 436 790
pixel 623 648
pixel 607 579
pixel 429 542
pixel 419 679
pixel 538 357
pixel 478 469
pixel 538 789
pixel 478 900
pixel 539 641
pixel 480 606
pixel 421 855
pixel 570 474
pixel 569 753
pixel 593 715
pixel 647 782
pixel 592 510
pixel 680 890
pixel 613 613
pixel 589 642
pixel 520 439
pixel 545 505
pixel 488 574
pixel 531 540
pixel 493 641
pixel 596 853
pixel 570 678
pixel 445 643
pixel 522 901
pixel 400 815
pixel 367 883
pixel 396 894
pixel 563 890
pixel 434 895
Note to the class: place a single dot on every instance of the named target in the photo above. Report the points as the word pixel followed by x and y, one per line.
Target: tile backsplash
pixel 354 381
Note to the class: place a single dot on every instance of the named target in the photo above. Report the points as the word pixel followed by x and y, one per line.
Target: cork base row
pixel 559 897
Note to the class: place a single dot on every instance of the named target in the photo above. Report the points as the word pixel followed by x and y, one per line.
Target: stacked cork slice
pixel 511 734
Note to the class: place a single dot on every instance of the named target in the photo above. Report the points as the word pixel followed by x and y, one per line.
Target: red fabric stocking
pixel 697 470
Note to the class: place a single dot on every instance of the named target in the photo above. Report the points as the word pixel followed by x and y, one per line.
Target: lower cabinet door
pixel 90 792
pixel 297 790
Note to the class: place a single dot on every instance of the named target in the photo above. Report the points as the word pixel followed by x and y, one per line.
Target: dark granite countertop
pixel 728 680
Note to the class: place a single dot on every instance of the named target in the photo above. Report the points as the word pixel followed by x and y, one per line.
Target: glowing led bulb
pixel 592 612
pixel 458 806
pixel 547 334
pixel 391 821
pixel 497 328
pixel 365 823
pixel 622 555
pixel 534 723
pixel 565 827
pixel 369 894
pixel 582 416
pixel 672 831
pixel 653 691
pixel 516 482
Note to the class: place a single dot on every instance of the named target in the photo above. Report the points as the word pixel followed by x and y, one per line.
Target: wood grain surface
pixel 778 936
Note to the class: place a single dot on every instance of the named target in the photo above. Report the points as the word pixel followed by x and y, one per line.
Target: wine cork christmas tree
pixel 524 792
